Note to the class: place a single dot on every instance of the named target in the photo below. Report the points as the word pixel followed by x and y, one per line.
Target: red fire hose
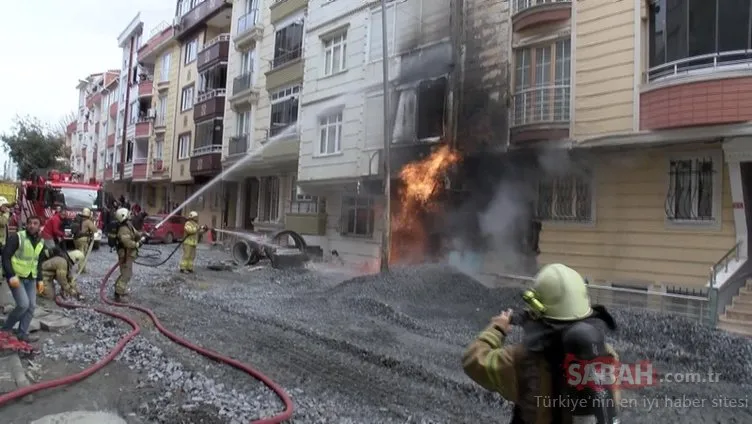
pixel 20 393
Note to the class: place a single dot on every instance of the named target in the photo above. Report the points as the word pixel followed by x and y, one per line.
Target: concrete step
pixel 740 313
pixel 735 326
pixel 740 305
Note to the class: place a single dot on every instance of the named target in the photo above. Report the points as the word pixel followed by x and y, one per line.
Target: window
pixel 243 123
pixel 161 110
pixel 357 216
pixel 129 151
pixel 134 112
pixel 302 203
pixel 185 6
pixel 421 111
pixel 184 146
pixel 246 62
pixel 330 138
pixel 686 29
pixel 158 148
pixel 186 98
pixel 692 189
pixel 335 54
pixel 164 72
pixel 191 50
pixel 288 44
pixel 566 198
pixel 541 83
pixel 284 109
pixel 270 199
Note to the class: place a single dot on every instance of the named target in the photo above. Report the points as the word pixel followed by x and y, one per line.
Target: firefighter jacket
pixel 128 239
pixel 4 221
pixel 192 231
pixel 88 228
pixel 518 374
pixel 56 263
pixel 23 255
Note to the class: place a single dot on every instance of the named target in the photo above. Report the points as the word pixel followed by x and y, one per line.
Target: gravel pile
pixel 382 349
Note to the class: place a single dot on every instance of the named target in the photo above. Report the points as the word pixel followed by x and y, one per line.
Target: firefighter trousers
pixel 189 255
pixel 82 244
pixel 68 285
pixel 126 272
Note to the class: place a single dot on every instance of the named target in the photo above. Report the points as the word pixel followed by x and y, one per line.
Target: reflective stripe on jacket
pixel 26 259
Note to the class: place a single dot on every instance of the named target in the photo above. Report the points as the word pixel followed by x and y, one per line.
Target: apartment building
pixel 130 115
pixel 262 112
pixel 203 29
pixel 653 106
pixel 105 160
pixel 159 59
pixel 84 138
pixel 342 124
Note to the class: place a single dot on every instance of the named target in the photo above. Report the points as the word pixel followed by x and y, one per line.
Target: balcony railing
pixel 704 64
pixel 520 5
pixel 538 105
pixel 139 161
pixel 238 145
pixel 207 150
pixel 210 94
pixel 242 83
pixel 247 21
pixel 286 58
pixel 214 52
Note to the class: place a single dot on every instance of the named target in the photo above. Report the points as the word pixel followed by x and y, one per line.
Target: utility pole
pixel 386 235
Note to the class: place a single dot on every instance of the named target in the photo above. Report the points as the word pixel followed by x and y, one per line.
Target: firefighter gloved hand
pixel 142 241
pixel 14 282
pixel 40 287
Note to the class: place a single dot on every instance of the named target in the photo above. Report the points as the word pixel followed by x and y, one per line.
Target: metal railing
pixel 215 40
pixel 723 264
pixel 696 308
pixel 304 207
pixel 205 150
pixel 139 161
pixel 242 82
pixel 706 63
pixel 247 21
pixel 545 104
pixel 520 5
pixel 238 145
pixel 210 94
pixel 287 57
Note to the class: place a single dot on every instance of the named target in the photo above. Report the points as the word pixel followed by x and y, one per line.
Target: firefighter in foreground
pixel 22 260
pixel 192 233
pixel 59 267
pixel 560 328
pixel 86 230
pixel 127 243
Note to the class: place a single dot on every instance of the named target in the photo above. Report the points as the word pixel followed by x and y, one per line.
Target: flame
pixel 421 183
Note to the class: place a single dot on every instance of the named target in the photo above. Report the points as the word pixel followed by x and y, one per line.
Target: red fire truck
pixel 41 194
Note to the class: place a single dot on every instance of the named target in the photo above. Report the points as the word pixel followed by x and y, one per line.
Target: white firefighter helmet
pixel 122 215
pixel 86 213
pixel 3 201
pixel 192 215
pixel 76 256
pixel 563 293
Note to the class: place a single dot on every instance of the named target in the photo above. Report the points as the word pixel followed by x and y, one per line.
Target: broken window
pixel 421 112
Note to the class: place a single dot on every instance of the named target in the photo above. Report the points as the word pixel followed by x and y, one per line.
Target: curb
pixel 14 369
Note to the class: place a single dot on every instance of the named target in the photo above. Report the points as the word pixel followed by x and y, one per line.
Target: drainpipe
pixel 127 108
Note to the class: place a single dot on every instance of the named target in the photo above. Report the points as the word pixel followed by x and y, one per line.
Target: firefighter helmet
pixel 122 215
pixel 562 292
pixel 192 215
pixel 3 201
pixel 76 256
pixel 86 213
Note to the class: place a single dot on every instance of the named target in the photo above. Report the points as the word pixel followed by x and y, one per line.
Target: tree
pixel 67 119
pixel 34 145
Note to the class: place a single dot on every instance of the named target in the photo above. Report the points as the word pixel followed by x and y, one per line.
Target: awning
pixel 652 138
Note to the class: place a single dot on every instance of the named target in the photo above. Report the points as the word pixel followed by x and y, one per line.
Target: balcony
pixel 145 88
pixel 199 15
pixel 143 127
pixel 209 104
pixel 540 114
pixel 206 160
pixel 243 93
pixel 528 14
pixel 306 217
pixel 238 145
pixel 214 52
pixel 249 30
pixel 280 9
pixel 140 168
pixel 113 109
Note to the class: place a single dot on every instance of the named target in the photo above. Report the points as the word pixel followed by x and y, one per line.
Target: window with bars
pixel 284 109
pixel 567 198
pixel 542 77
pixel 288 44
pixel 691 190
pixel 358 216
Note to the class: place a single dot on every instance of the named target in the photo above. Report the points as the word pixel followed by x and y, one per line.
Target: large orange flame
pixel 421 183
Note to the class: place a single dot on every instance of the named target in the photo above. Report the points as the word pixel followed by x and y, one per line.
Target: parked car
pixel 170 232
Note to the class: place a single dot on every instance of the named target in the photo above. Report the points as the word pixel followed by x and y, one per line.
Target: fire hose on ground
pixel 283 416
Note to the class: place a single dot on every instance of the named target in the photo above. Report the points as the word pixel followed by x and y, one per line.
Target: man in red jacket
pixel 53 232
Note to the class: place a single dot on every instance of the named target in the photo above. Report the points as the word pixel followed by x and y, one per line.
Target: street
pixel 368 349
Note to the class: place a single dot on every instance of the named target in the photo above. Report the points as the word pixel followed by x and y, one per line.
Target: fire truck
pixel 43 192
